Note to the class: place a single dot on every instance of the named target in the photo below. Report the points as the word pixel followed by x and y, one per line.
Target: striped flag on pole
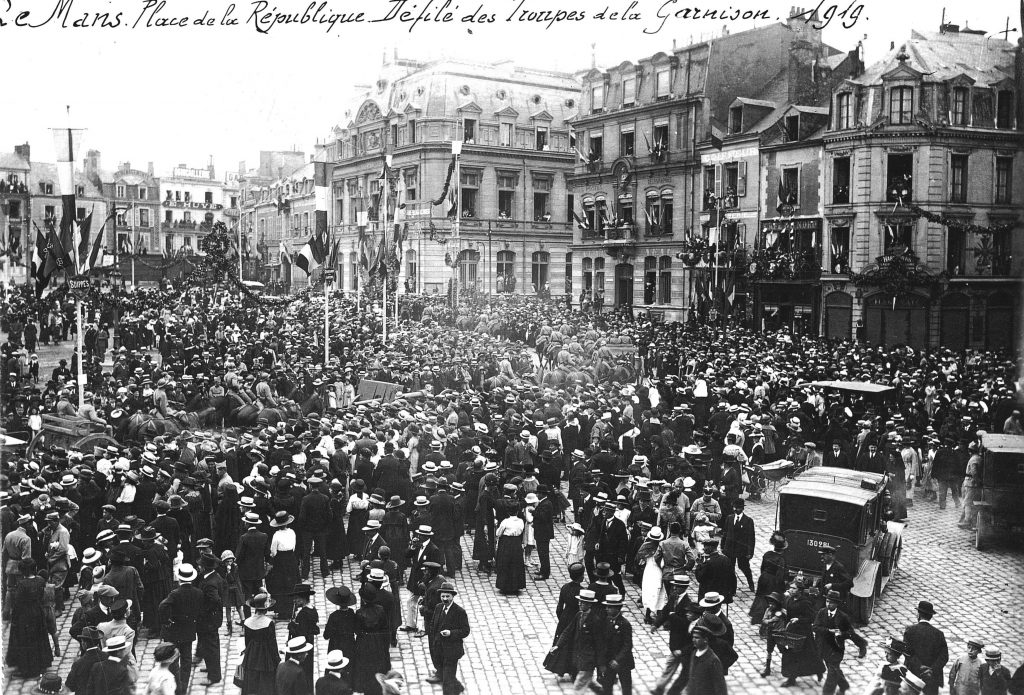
pixel 314 253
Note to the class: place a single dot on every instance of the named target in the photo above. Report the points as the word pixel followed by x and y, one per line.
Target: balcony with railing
pixel 770 265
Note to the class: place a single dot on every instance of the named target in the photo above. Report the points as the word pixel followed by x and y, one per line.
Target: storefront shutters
pixel 838 315
pixel 999 323
pixel 903 322
pixel 954 326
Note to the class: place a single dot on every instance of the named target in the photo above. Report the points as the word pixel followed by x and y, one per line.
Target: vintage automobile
pixel 850 511
pixel 1000 512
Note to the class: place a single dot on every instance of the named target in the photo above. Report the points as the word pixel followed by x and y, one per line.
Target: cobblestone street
pixel 976 595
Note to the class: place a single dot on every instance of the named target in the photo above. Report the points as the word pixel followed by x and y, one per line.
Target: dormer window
pixel 901 105
pixel 597 98
pixel 628 91
pixel 960 110
pixel 793 127
pixel 662 83
pixel 844 115
pixel 1004 109
pixel 735 119
pixel 469 130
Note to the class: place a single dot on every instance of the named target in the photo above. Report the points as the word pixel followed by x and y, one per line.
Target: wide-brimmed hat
pixel 186 573
pixel 774 597
pixel 425 530
pixel 916 684
pixel 115 644
pixel 447 588
pixel 586 596
pixel 336 660
pixel 655 534
pixel 50 684
pixel 711 599
pixel 679 580
pixel 895 645
pixel 993 653
pixel 297 645
pixel 340 596
pixel 282 518
pixel 301 590
pixel 714 624
pixel 261 602
pixel 165 653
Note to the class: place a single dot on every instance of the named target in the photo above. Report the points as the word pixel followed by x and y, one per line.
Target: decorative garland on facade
pixel 896 273
pixel 447 184
pixel 950 222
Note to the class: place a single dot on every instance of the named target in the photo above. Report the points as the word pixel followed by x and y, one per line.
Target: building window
pixel 394 135
pixel 665 280
pixel 840 250
pixel 568 274
pixel 468 261
pixel 542 138
pixel 844 117
pixel 596 147
pixel 901 103
pixel 588 274
pixel 735 119
pixel 49 213
pixel 168 244
pixel 468 202
pixel 505 272
pixel 958 178
pixel 14 210
pixel 898 235
pixel 208 197
pixel 1004 180
pixel 187 217
pixel 188 197
pixel 411 179
pixel 599 274
pixel 955 239
pixel 411 131
pixel 143 217
pixel 710 188
pixel 900 174
pixel 793 127
pixel 169 217
pixel 119 191
pixel 80 191
pixel 353 271
pixel 354 145
pixel 624 216
pixel 48 188
pixel 841 180
pixel 541 211
pixel 666 213
pixel 791 181
pixel 539 270
pixel 305 221
pixel 505 131
pixel 469 130
pixel 570 207
pixel 144 193
pixel 410 270
pixel 234 202
pixel 662 84
pixel 650 279
pixel 506 195
pixel 660 143
pixel 1004 109
pixel 628 91
pixel 122 219
pixel 732 181
pixel 626 144
pixel 80 213
pixel 960 109
pixel 188 242
pixel 597 98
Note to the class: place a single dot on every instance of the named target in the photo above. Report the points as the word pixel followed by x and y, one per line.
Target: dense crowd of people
pixel 239 462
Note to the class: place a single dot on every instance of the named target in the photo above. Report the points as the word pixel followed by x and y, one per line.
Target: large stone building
pixel 15 213
pixel 192 201
pixel 933 130
pixel 669 142
pixel 505 224
pixel 135 197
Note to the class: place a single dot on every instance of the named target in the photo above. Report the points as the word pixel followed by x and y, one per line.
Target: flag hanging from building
pixel 125 247
pixel 40 250
pixel 57 256
pixel 312 254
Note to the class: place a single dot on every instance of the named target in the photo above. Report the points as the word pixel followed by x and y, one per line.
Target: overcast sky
pixel 173 95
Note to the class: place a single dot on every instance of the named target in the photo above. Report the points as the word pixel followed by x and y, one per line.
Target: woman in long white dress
pixel 652 591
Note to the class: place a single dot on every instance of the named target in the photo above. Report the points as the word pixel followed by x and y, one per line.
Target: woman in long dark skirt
pixel 395 530
pixel 28 647
pixel 284 573
pixel 342 624
pixel 227 521
pixel 509 564
pixel 774 569
pixel 805 661
pixel 483 538
pixel 337 539
pixel 259 663
pixel 373 640
pixel 358 514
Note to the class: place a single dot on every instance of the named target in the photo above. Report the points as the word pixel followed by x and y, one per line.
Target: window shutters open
pixel 718 180
pixel 741 179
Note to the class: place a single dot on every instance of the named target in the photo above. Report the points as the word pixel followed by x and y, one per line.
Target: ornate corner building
pixel 503 225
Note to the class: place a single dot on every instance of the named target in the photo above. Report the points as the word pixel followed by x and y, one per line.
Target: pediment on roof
pixel 902 72
pixel 470 107
pixel 507 112
pixel 542 115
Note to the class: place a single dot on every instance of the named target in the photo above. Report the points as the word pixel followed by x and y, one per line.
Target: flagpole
pixel 718 248
pixel 327 321
pixel 384 205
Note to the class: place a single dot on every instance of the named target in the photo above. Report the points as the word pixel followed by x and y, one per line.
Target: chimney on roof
pixel 149 168
pixel 24 151
pixel 593 56
pixel 892 45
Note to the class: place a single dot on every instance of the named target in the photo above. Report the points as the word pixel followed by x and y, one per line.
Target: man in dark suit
pixel 251 556
pixel 927 653
pixel 715 572
pixel 314 521
pixel 738 540
pixel 836 456
pixel 374 540
pixel 166 526
pixel 110 676
pixel 544 530
pixel 423 551
pixel 215 590
pixel 831 630
pixel 78 677
pixel 619 647
pixel 834 577
pixel 290 678
pixel 611 543
pixel 585 638
pixel 444 518
pixel 180 613
pixel 449 627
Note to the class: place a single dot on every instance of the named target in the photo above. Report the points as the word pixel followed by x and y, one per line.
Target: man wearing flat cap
pixel 927 653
